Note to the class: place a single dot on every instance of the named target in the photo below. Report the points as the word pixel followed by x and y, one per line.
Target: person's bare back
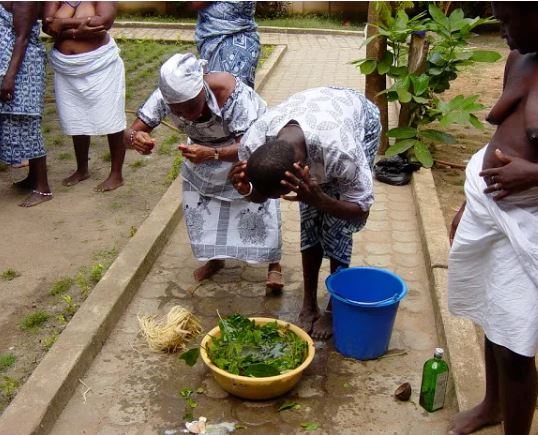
pixel 516 111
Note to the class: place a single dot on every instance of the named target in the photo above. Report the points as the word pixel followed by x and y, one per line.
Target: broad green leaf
pixel 310 426
pixel 288 405
pixel 438 15
pixel 190 356
pixel 423 155
pixel 456 20
pixel 397 71
pixel 437 136
pixel 400 147
pixel 403 95
pixel 434 71
pixel 261 370
pixel 485 56
pixel 475 122
pixel 190 402
pixel 436 58
pixel 402 132
pixel 420 100
pixel 368 67
pixel 385 64
pixel 420 84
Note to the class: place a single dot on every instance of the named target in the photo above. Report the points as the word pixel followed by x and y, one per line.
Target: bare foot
pixel 307 318
pixel 467 422
pixel 323 327
pixel 208 270
pixel 111 183
pixel 28 183
pixel 75 178
pixel 36 198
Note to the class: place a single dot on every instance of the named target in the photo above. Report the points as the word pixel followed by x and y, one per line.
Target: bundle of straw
pixel 170 334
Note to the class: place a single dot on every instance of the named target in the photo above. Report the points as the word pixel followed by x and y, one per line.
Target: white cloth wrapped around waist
pixel 90 90
pixel 493 263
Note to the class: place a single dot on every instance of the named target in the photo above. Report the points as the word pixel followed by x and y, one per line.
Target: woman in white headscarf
pixel 214 110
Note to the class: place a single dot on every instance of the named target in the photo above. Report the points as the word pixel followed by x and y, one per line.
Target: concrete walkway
pixel 130 390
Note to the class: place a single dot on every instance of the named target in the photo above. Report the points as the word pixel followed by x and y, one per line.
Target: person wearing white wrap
pixel 214 110
pixel 493 262
pixel 89 82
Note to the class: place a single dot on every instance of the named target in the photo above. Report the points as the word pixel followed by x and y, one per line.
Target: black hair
pixel 267 166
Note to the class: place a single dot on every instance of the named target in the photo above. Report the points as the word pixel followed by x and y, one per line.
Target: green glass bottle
pixel 434 382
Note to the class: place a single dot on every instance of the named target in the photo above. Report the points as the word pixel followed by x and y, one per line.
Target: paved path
pixel 134 391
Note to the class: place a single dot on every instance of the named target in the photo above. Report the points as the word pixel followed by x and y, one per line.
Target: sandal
pixel 276 284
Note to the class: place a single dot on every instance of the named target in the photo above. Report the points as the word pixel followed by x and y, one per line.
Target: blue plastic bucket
pixel 365 301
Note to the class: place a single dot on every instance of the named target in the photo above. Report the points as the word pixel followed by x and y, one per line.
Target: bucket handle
pixel 368 304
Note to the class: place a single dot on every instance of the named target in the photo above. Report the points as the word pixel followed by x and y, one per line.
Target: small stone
pixel 403 392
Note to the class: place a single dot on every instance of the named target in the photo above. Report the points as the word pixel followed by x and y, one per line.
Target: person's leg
pixel 82 147
pixel 311 258
pixel 41 192
pixel 274 282
pixel 323 327
pixel 208 270
pixel 117 155
pixel 518 389
pixel 487 412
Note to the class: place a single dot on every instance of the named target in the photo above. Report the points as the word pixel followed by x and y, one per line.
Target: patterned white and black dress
pixel 220 222
pixel 341 129
pixel 21 137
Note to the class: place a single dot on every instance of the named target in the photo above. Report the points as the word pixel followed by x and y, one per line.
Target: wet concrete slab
pixel 131 390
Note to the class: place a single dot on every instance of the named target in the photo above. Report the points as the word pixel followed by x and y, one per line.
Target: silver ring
pixel 8 96
pixel 493 179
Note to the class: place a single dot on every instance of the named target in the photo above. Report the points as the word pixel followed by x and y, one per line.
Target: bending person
pixel 214 110
pixel 89 81
pixel 22 78
pixel 320 144
pixel 226 36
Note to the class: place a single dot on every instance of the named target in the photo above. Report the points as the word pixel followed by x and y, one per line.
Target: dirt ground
pixel 484 79
pixel 65 245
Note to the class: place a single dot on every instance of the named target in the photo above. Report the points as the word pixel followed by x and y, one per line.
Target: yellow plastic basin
pixel 259 388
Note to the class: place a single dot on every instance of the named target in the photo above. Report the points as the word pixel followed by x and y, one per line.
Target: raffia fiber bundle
pixel 170 334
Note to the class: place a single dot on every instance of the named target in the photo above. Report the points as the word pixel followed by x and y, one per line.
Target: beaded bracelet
pixel 131 138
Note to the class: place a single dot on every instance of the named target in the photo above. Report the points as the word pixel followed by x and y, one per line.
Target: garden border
pixel 261 29
pixel 52 383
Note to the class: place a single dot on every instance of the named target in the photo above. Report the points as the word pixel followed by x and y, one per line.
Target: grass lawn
pixel 300 21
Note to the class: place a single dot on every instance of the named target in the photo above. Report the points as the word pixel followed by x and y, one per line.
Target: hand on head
pixel 306 187
pixel 238 177
pixel 515 175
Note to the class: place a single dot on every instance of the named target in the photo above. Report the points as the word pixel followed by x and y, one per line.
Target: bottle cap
pixel 439 352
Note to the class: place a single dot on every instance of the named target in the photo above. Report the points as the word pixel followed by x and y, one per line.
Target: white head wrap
pixel 182 78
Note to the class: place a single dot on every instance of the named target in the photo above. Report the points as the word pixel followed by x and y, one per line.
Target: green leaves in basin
pixel 247 349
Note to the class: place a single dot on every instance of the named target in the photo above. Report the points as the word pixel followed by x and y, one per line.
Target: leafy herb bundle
pixel 247 349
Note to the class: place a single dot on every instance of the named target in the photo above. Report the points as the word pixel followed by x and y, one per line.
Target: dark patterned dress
pixel 220 222
pixel 21 137
pixel 227 38
pixel 341 129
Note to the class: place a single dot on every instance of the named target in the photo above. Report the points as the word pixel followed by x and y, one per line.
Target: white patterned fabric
pixel 493 264
pixel 335 123
pixel 220 222
pixel 181 78
pixel 90 90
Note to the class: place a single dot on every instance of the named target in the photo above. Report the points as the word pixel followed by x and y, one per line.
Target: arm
pixel 49 10
pixel 137 137
pixel 309 192
pixel 456 222
pixel 105 14
pixel 24 16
